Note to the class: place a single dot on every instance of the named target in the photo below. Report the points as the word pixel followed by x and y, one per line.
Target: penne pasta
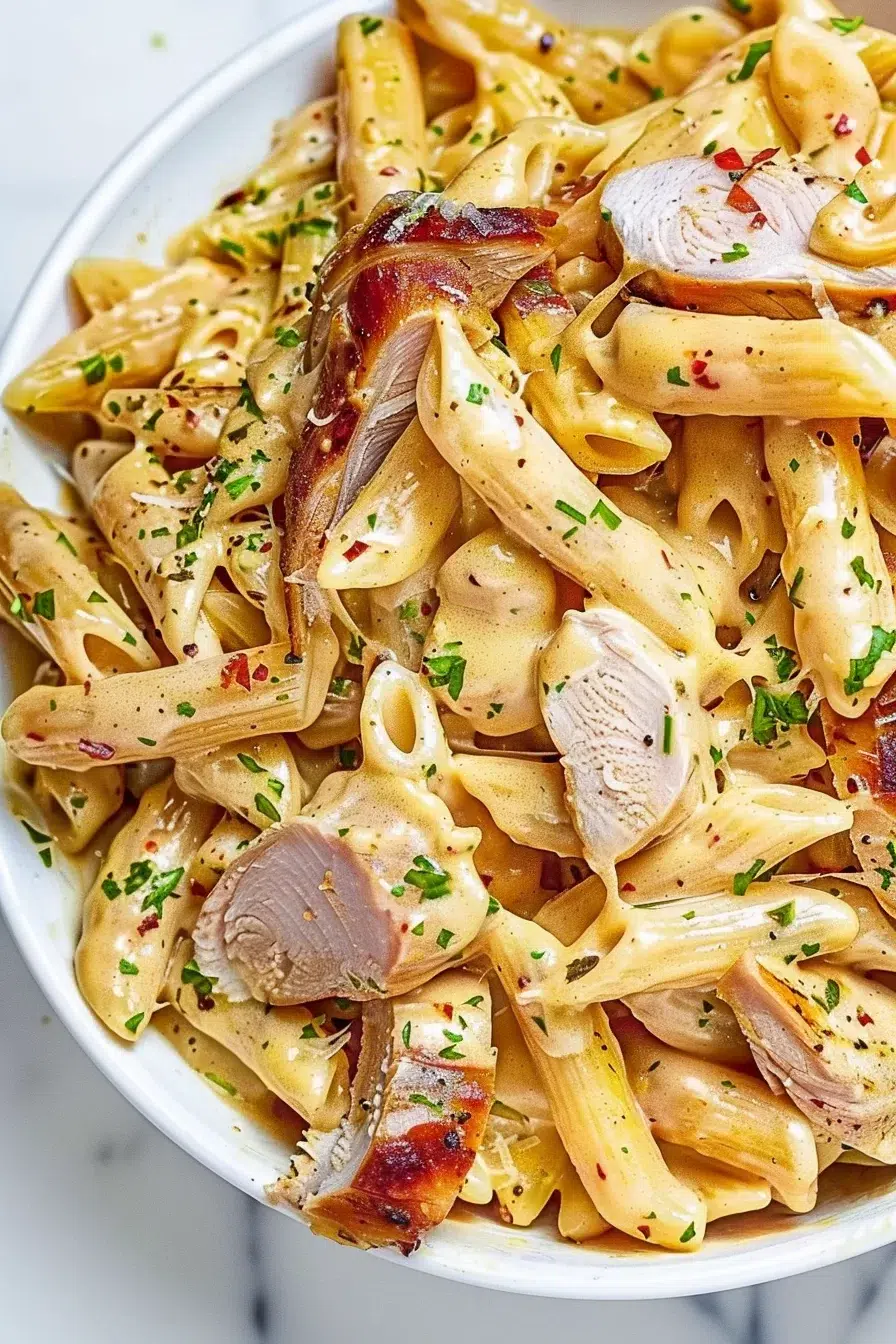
pixel 136 907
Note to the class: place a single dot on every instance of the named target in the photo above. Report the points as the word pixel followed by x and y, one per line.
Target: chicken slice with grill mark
pixel 703 241
pixel 420 1101
pixel 394 277
pixel 617 705
pixel 824 1036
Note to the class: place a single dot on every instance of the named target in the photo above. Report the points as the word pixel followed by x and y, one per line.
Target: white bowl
pixel 193 153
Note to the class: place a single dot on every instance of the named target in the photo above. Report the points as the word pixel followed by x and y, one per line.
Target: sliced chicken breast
pixel 707 235
pixel 375 311
pixel 616 704
pixel 420 1101
pixel 823 1035
pixel 488 245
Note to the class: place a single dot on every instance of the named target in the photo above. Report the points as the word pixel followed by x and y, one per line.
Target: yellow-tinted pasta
pixel 565 726
pixel 136 906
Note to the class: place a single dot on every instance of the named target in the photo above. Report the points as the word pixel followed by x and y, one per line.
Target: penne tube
pixel 811 106
pixel 147 715
pixel 78 803
pixel 844 611
pixel 693 941
pixel 183 420
pixel 301 144
pixel 397 520
pixel 673 50
pixel 286 1048
pixel 725 1190
pixel 217 345
pixel 699 364
pixel 382 138
pixel 599 431
pixel 251 231
pixel 136 907
pixel 578 1218
pixel 309 236
pixel 493 443
pixel 58 602
pixel 597 1117
pixel 493 581
pixel 722 465
pixel 129 345
pixel 525 799
pixel 588 62
pixel 225 844
pixel 725 836
pixel 102 282
pixel 874 946
pixel 723 1115
pixel 523 167
pixel 155 524
pixel 694 1020
pixel 235 621
pixel 256 779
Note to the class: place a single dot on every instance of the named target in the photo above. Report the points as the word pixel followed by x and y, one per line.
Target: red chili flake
pixel 357 548
pixel 191 650
pixel 151 846
pixel 628 886
pixel 425 609
pixel 705 381
pixel 523 982
pixel 486 879
pixel 172 401
pixel 698 366
pixel 87 686
pixel 864 1018
pixel 196 888
pixel 97 751
pixel 816 1102
pixel 764 155
pixel 36 737
pixel 448 1010
pixel 268 546
pixel 192 419
pixel 644 1229
pixel 863 156
pixel 236 669
pixel 729 159
pixel 741 200
pixel 758 221
pixel 389 172
pixel 845 126
pixel 261 673
pixel 150 922
pixel 600 1171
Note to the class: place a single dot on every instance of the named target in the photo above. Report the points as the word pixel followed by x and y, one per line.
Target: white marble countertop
pixel 109 1232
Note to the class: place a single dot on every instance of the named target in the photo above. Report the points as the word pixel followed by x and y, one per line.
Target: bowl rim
pixel 578 1273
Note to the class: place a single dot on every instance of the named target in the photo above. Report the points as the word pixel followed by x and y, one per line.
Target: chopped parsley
pixel 127 967
pixel 602 511
pixel 737 253
pixel 847 529
pixel 447 669
pixel 477 393
pixel 860 669
pixel 743 880
pixel 754 55
pixel 784 914
pixel 443 939
pixel 266 808
pixel 571 512
pixel 555 357
pixel 673 375
pixel 44 604
pixel 133 1022
pixel 855 193
pixel 186 710
pixel 369 25
pixel 856 564
pixel 783 658
pixel 770 710
pixel 797 580
pixel 430 880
